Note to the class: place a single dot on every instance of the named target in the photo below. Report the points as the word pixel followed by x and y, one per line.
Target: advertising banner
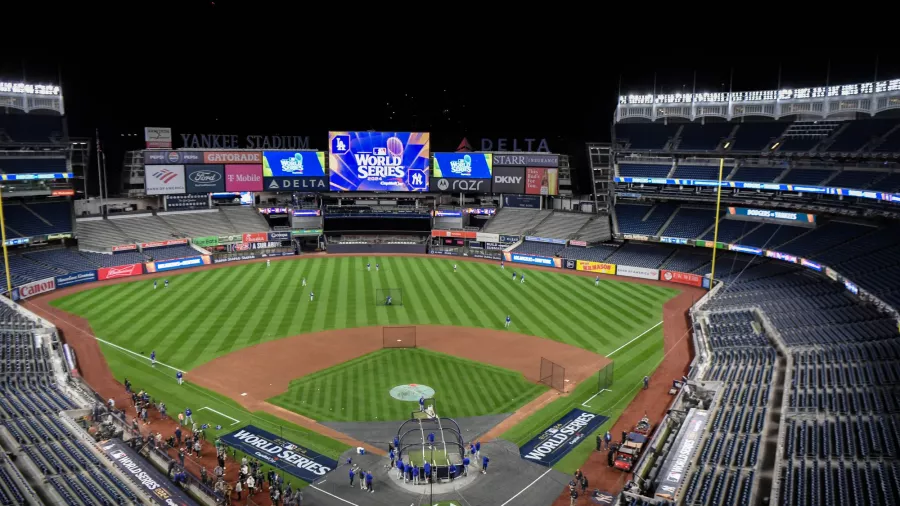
pixel 307 212
pixel 522 201
pixel 307 231
pixel 204 178
pixel 184 202
pixel 62 193
pixel 76 278
pixel 526 160
pixel 745 249
pixel 172 157
pixel 771 214
pixel 233 157
pixel 495 246
pixel 440 213
pixel 243 178
pixel 120 271
pixel 673 240
pixel 598 267
pixel 540 181
pixel 454 185
pixel 159 489
pixel 295 184
pixel 784 257
pixel 178 263
pixel 637 272
pixel 569 263
pixel 486 237
pixel 811 265
pixel 280 453
pixel 674 469
pixel 231 239
pixel 508 180
pixel 509 239
pixel 256 237
pixel 125 247
pixel 160 244
pixel 279 236
pixel 448 252
pixel 560 438
pixel 536 260
pixel 547 240
pixel 36 288
pixel 379 161
pixel 583 244
pixel 158 137
pixel 206 242
pixel 275 211
pixel 490 255
pixel 164 179
pixel 463 166
pixel 637 237
pixel 459 234
pixel 683 278
pixel 293 164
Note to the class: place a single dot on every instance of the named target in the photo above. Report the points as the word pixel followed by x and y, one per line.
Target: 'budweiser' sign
pixel 120 271
pixel 37 287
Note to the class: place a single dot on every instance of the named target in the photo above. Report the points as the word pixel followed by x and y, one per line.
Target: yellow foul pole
pixel 712 274
pixel 5 254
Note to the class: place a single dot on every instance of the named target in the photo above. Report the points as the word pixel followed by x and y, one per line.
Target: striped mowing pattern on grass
pixel 206 314
pixel 359 389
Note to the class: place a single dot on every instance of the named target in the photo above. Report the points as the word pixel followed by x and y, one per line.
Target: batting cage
pixel 553 375
pixel 398 337
pixel 416 446
pixel 388 297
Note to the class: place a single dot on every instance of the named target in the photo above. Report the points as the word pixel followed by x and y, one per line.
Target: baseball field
pixel 207 316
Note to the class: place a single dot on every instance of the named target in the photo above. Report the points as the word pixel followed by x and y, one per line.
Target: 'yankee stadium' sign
pixel 280 453
pixel 560 438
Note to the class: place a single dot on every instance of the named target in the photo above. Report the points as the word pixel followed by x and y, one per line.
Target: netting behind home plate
pixel 398 337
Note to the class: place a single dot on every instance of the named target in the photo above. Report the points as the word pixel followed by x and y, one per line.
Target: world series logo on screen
pixel 379 161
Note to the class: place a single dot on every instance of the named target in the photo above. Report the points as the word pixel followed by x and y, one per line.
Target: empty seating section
pixel 31 128
pixel 825 237
pixel 890 143
pixel 561 225
pixel 811 177
pixel 37 218
pixel 800 143
pixel 890 183
pixel 700 137
pixel 595 230
pixel 145 228
pixel 631 217
pixel 200 223
pixel 515 221
pixel 33 165
pixel 757 174
pixel 245 219
pixel 24 270
pixel 170 252
pixel 100 234
pixel 688 260
pixel 642 136
pixel 756 136
pixel 770 235
pixel 597 253
pixel 66 259
pixel 698 172
pixel 538 248
pixel 857 134
pixel 731 230
pixel 635 170
pixel 640 255
pixel 855 179
pixel 689 222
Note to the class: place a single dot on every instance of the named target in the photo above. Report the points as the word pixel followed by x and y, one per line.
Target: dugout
pixel 449 447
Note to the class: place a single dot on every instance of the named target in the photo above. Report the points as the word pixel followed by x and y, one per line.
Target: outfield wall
pixel 377 248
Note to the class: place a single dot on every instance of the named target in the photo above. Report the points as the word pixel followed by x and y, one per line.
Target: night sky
pixel 232 68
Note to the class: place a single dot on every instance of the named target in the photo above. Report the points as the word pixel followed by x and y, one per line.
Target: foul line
pixel 595 395
pixel 220 413
pixel 526 488
pixel 137 354
pixel 635 339
pixel 338 498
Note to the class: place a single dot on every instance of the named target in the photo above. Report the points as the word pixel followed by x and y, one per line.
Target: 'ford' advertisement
pixel 379 161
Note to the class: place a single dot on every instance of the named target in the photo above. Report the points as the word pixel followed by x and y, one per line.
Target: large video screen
pixel 463 165
pixel 379 161
pixel 293 163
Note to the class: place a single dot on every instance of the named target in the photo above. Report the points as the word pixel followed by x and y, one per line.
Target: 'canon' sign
pixel 37 287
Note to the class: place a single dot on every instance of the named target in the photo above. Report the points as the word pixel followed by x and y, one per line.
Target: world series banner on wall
pixel 280 453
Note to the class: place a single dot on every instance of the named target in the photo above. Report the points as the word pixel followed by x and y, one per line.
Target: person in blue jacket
pixel 477 448
pixel 466 463
pixel 427 474
pixel 153 358
pixel 352 474
pixel 180 377
pixel 400 469
pixel 415 473
pixel 484 464
pixel 422 403
pixel 452 471
pixel 369 482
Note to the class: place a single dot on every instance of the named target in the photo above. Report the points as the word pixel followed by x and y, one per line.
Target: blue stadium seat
pixel 636 170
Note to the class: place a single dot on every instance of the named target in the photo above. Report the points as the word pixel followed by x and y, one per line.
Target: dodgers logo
pixel 340 144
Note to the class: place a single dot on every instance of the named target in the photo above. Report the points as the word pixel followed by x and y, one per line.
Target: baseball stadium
pixel 715 323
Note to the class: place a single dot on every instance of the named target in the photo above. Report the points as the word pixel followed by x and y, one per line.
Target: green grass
pixel 359 389
pixel 415 456
pixel 207 314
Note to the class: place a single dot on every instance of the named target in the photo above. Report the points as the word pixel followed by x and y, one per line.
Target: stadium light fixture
pixel 774 146
pixel 727 144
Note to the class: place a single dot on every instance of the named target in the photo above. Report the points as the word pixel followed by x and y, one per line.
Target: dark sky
pixel 239 68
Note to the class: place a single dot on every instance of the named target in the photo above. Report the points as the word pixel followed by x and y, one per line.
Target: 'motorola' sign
pixel 280 453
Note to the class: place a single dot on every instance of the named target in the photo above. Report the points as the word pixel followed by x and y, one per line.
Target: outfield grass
pixel 359 389
pixel 207 314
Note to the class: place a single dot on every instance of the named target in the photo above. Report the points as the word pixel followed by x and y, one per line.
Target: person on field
pixel 477 449
pixel 597 281
pixel 484 464
pixel 153 358
pixel 268 263
pixel 166 284
pixel 369 486
pixel 508 321
pixel 427 474
pixel 388 301
pixel 415 473
pixel 154 284
pixel 188 418
pixel 311 296
pixel 454 267
pixel 377 267
pixel 466 463
pixel 502 267
pixel 391 455
pixel 422 403
pixel 452 471
pixel 303 282
pixel 369 267
pixel 646 382
pixel 514 275
pixel 400 469
pixel 607 438
pixel 180 377
pixel 351 476
pixel 431 438
pixel 362 479
pixel 523 278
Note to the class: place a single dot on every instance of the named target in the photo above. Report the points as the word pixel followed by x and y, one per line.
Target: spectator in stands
pixel 204 477
pixel 219 471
